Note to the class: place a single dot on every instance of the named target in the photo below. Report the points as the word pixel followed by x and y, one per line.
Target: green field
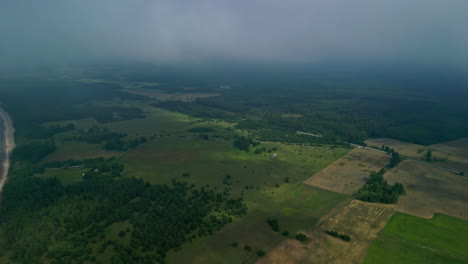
pixel 410 239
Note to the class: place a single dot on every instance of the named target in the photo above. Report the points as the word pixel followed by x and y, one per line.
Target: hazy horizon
pixel 421 33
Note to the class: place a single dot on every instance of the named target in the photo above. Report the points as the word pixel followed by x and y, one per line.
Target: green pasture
pixel 410 239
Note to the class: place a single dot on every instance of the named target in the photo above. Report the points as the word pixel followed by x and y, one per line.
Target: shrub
pixel 343 237
pixel 273 224
pixel 301 237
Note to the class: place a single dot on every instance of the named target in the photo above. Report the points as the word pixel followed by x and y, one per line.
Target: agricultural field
pixel 361 221
pixel 349 173
pixel 404 148
pixel 457 152
pixel 410 239
pixel 430 190
pixel 450 154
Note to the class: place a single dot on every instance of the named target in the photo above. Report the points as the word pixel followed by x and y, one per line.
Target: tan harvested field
pixel 456 147
pixel 348 174
pixel 404 148
pixel 457 153
pixel 162 96
pixel 430 190
pixel 362 221
pixel 452 154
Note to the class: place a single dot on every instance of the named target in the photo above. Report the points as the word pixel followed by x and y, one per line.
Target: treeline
pixel 49 131
pixel 112 140
pixel 87 163
pixel 33 151
pixel 124 145
pixel 47 221
pixel 201 130
pixel 244 143
pixel 196 109
pixel 95 135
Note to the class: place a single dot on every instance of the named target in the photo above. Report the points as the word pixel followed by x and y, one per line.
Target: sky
pixel 417 32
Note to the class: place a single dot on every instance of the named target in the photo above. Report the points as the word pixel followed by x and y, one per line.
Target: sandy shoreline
pixel 8 146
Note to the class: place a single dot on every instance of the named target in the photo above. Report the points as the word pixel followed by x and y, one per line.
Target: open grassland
pixel 410 239
pixel 361 221
pixel 65 175
pixel 452 154
pixel 430 190
pixel 79 150
pixel 349 173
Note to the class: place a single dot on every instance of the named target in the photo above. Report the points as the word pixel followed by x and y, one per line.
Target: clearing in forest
pixel 361 221
pixel 349 173
pixel 430 190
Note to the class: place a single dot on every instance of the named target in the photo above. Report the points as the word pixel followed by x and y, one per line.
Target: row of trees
pixel 341 236
pixel 123 145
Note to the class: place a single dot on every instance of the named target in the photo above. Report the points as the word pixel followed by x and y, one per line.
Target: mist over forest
pixel 217 131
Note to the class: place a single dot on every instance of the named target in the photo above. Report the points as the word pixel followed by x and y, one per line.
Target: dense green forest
pixel 44 219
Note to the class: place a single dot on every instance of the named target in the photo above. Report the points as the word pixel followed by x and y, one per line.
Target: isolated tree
pixel 301 237
pixel 429 155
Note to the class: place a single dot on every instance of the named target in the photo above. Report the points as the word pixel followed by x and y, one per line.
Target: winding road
pixel 7 147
